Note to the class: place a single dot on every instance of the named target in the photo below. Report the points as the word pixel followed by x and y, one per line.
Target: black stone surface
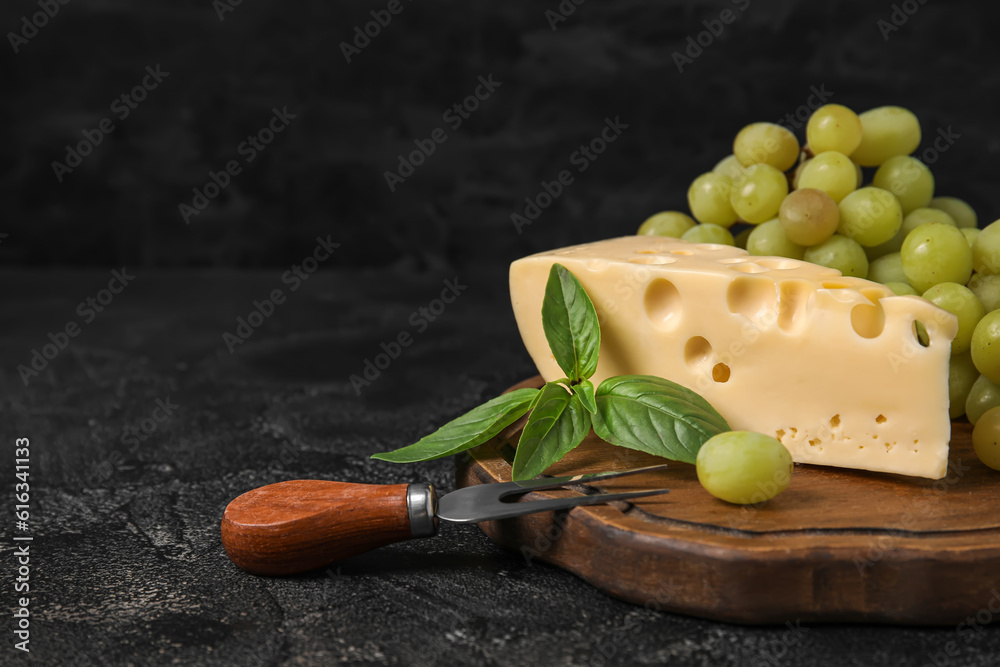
pixel 126 563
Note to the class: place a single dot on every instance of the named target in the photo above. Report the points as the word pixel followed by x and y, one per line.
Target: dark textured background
pixel 127 567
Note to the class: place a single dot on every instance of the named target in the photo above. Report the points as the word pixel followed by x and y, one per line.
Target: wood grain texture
pixel 301 525
pixel 837 545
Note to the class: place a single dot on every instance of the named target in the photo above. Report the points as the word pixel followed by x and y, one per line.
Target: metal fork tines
pixel 485 502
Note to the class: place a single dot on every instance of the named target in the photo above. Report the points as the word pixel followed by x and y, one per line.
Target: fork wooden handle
pixel 296 526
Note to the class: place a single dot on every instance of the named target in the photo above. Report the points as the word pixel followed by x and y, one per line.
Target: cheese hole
pixel 793 301
pixel 697 351
pixel 751 297
pixel 646 252
pixel 683 252
pixel 835 421
pixel 868 320
pixel 731 260
pixel 920 333
pixel 720 373
pixel 834 285
pixel 748 267
pixel 780 263
pixel 655 259
pixel 875 295
pixel 713 246
pixel 815 441
pixel 662 303
pixel 881 419
pixel 597 264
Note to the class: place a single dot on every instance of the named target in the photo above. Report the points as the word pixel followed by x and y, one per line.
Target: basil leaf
pixel 570 323
pixel 471 429
pixel 585 390
pixel 655 415
pixel 557 424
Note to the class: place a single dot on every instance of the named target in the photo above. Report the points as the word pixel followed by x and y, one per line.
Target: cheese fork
pixel 300 525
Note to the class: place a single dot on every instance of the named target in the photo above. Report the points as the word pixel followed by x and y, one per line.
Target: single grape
pixel 831 172
pixel 986 346
pixel 757 197
pixel 963 214
pixel 923 215
pixel 963 304
pixel 744 467
pixel 987 288
pixel 768 238
pixel 766 143
pixel 833 127
pixel 986 438
pixel 708 199
pixel 885 133
pixel 971 234
pixel 808 216
pixel 983 396
pixel 962 374
pixel 870 216
pixel 986 251
pixel 936 253
pixel 709 233
pixel 902 289
pixel 888 269
pixel 909 179
pixel 841 253
pixel 729 166
pixel 666 223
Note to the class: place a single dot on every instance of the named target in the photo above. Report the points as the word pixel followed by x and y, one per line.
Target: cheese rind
pixel 829 365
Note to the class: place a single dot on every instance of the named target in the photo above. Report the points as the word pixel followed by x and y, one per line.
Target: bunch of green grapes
pixel 775 197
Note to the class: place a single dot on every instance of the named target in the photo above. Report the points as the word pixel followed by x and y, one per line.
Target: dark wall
pixel 324 173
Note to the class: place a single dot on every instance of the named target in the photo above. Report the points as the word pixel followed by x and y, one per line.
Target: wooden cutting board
pixel 836 546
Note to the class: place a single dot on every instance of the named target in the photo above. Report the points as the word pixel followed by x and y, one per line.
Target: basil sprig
pixel 642 412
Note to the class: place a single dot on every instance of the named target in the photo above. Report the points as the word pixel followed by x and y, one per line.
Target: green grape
pixel 936 253
pixel 808 216
pixel 961 212
pixel 833 127
pixel 986 346
pixel 757 197
pixel 708 199
pixel 902 289
pixel 841 253
pixel 971 234
pixel 709 233
pixel 923 215
pixel 888 269
pixel 962 374
pixel 986 438
pixel 909 179
pixel 861 174
pixel 987 288
pixel 744 467
pixel 870 216
pixel 963 304
pixel 766 143
pixel 885 133
pixel 741 238
pixel 986 251
pixel 983 396
pixel 729 166
pixel 666 223
pixel 768 238
pixel 831 172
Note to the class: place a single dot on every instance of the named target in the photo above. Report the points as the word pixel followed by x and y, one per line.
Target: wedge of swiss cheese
pixel 829 365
